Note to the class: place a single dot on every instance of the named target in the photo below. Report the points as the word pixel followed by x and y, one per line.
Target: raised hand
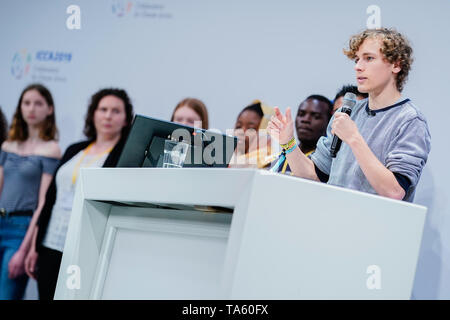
pixel 280 126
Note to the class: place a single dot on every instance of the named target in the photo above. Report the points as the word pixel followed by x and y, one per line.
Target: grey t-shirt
pixel 398 135
pixel 22 179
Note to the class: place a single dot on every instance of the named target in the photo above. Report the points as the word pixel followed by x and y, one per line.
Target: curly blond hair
pixel 394 47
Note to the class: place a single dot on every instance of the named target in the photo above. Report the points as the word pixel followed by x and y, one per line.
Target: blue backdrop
pixel 228 53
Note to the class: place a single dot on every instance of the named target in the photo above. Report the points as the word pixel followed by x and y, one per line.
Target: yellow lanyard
pixel 286 162
pixel 78 164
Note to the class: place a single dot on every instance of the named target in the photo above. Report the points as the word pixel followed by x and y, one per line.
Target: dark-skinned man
pixel 311 123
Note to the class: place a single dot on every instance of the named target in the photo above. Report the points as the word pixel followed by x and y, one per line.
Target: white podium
pixel 151 233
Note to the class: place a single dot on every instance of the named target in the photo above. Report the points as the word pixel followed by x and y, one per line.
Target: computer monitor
pixel 145 144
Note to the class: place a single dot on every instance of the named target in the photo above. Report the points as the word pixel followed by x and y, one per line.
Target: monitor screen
pixel 148 139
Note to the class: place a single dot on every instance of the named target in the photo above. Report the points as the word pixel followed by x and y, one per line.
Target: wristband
pixel 292 148
pixel 288 145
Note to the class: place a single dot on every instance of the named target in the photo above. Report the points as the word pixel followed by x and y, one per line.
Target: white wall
pixel 228 53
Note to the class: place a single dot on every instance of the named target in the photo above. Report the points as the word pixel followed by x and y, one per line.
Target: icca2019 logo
pixel 21 63
pixel 42 61
pixel 121 8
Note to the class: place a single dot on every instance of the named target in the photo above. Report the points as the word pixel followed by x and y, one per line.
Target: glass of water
pixel 174 154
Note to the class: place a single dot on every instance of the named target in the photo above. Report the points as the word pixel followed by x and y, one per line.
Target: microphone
pixel 349 103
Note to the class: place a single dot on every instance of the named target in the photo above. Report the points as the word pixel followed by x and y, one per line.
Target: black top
pixel 50 196
pixel 402 180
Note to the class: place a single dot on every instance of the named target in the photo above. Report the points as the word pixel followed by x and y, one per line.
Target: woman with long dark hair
pixel 28 159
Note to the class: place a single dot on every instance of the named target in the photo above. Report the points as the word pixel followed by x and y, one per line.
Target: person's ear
pixel 396 67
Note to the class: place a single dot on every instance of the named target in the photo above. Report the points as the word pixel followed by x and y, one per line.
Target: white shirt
pixel 55 237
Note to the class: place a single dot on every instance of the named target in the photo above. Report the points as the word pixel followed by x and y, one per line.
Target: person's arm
pixel 380 178
pixel 281 128
pixel 32 256
pixel 16 264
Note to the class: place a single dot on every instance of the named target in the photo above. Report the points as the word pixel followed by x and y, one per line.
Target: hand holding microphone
pixel 343 127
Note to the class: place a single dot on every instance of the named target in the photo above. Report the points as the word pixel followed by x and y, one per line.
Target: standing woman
pixel 28 159
pixel 108 120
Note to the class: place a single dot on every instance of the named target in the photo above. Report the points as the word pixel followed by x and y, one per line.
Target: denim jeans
pixel 12 232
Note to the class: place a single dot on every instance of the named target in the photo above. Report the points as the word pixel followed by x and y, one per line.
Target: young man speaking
pixel 386 140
